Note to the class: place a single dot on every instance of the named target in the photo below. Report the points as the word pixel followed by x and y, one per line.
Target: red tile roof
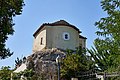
pixel 57 23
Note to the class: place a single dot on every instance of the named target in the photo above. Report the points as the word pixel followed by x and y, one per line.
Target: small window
pixel 41 41
pixel 66 36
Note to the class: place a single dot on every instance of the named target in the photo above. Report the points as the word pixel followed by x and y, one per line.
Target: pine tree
pixel 8 10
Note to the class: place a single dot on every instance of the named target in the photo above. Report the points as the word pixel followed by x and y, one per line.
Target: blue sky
pixel 81 13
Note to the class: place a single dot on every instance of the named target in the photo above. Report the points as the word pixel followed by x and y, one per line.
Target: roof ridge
pixel 61 22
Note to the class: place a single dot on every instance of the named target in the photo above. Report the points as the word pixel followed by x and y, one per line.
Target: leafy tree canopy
pixel 5 73
pixel 106 52
pixel 76 63
pixel 8 10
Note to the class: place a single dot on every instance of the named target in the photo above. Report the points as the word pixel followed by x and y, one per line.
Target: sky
pixel 81 13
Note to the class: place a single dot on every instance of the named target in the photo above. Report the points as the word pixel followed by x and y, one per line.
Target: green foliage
pixel 5 73
pixel 74 63
pixel 27 74
pixel 106 52
pixel 8 10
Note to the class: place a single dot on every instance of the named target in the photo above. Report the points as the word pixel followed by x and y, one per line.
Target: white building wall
pixel 37 46
pixel 55 37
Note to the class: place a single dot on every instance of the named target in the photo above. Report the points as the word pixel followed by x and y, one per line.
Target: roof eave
pixel 80 36
pixel 55 24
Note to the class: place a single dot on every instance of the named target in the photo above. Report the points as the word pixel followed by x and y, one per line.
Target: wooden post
pixel 11 76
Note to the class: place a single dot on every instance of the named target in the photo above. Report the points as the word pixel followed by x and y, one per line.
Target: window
pixel 66 36
pixel 41 41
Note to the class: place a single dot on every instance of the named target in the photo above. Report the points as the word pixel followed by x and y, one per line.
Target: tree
pixel 106 52
pixel 5 73
pixel 8 10
pixel 76 63
pixel 27 74
pixel 18 62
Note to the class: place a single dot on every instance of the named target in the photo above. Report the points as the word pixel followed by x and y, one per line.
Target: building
pixel 49 41
pixel 60 34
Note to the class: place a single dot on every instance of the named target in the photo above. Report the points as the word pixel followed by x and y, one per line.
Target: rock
pixel 44 62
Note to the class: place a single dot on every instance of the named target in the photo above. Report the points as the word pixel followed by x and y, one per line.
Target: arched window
pixel 66 36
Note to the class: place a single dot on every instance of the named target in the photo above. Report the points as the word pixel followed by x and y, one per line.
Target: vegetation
pixel 8 10
pixel 75 64
pixel 25 75
pixel 18 62
pixel 106 52
pixel 5 73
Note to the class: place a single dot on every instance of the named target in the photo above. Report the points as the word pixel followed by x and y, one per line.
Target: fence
pixel 93 75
